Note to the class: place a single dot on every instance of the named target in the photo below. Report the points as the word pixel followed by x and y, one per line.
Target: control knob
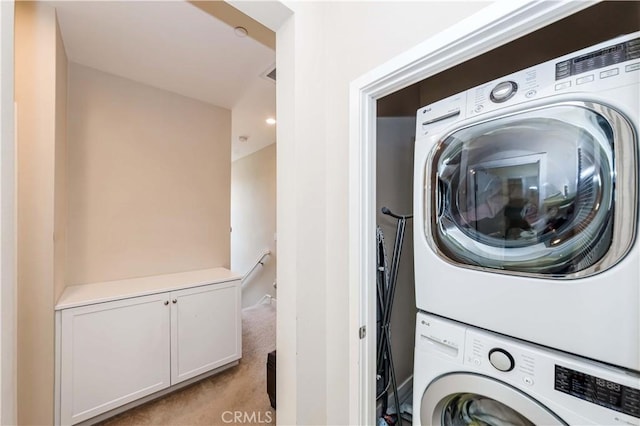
pixel 501 359
pixel 503 91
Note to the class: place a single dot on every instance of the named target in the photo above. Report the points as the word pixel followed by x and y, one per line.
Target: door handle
pixel 175 300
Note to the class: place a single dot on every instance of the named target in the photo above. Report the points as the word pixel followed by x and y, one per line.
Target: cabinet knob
pixel 175 300
pixel 166 302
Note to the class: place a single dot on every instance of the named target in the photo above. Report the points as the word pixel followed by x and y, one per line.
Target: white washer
pixel 466 376
pixel 526 204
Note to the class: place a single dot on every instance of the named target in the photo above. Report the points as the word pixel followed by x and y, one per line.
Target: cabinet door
pixel 206 330
pixel 113 353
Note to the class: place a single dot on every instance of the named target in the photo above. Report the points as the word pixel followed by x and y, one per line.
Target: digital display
pixel 614 396
pixel 605 57
pixel 601 52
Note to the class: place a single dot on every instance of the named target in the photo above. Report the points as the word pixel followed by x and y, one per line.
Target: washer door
pixel 469 399
pixel 533 193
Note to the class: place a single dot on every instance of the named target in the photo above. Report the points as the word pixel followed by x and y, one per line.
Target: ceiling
pixel 179 47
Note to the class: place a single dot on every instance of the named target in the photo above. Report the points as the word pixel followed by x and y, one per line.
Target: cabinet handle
pixel 166 302
pixel 175 300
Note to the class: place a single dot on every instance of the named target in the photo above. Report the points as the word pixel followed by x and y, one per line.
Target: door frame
pixel 8 279
pixel 495 25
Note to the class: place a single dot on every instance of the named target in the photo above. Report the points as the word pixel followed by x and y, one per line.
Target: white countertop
pixel 86 294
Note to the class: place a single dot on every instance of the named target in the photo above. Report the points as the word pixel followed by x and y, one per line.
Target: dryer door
pixel 469 399
pixel 548 192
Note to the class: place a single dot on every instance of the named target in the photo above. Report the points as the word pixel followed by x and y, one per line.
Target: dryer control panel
pixel 442 113
pixel 611 55
pixel 608 65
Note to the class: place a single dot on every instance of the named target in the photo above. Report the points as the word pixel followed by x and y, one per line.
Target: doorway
pixel 495 26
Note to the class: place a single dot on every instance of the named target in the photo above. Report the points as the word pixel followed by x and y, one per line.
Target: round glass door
pixel 535 193
pixel 469 399
pixel 478 410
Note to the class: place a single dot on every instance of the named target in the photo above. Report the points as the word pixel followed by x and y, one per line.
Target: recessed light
pixel 241 31
pixel 271 121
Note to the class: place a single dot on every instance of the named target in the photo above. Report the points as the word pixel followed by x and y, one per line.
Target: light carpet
pixel 235 396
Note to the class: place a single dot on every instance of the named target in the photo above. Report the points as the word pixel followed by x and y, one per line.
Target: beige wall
pixel 138 185
pixel 253 221
pixel 320 51
pixel 149 180
pixel 60 170
pixel 40 67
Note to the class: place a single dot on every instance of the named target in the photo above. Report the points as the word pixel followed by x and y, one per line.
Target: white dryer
pixel 526 204
pixel 465 376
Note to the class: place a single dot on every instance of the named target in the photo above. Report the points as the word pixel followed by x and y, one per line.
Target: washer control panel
pixel 615 396
pixel 439 338
pixel 501 359
pixel 496 357
pixel 601 393
pixel 594 392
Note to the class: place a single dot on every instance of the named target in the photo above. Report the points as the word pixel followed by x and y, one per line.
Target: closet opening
pixel 395 132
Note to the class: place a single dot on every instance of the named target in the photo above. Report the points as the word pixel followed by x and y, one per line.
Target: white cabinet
pixel 114 352
pixel 205 329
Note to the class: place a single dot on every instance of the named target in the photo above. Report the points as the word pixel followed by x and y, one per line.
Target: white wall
pixel 7 220
pixel 253 222
pixel 320 51
pixel 149 180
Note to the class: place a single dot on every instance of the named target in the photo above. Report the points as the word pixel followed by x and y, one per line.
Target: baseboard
pixel 405 391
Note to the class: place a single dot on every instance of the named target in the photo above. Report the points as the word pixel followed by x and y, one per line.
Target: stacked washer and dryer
pixel 526 249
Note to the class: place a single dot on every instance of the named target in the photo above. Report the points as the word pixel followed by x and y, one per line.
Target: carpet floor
pixel 235 396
